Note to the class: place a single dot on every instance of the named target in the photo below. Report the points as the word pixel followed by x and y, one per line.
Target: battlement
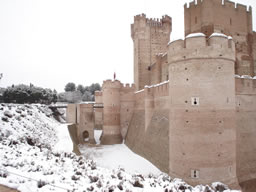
pixel 161 89
pixel 127 88
pixel 98 93
pixel 153 22
pixel 197 46
pixel 86 105
pixel 111 84
pixel 245 85
pixel 225 3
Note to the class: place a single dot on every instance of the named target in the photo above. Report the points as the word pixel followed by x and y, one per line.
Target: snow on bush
pixel 29 163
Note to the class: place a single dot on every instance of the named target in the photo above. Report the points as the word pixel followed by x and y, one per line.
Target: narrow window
pixel 195 20
pixel 195 101
pixel 195 174
pixel 230 21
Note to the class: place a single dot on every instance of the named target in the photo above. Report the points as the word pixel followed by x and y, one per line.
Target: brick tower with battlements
pixel 150 37
pixel 226 17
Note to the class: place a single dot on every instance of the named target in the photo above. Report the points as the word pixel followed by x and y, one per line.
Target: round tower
pixel 202 135
pixel 111 112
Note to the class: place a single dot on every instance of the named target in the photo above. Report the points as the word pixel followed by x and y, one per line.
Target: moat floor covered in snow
pixel 36 156
pixel 107 156
pixel 115 156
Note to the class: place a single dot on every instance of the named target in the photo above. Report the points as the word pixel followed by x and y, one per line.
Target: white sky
pixel 52 42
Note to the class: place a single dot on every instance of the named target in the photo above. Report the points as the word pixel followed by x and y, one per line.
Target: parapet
pixel 153 21
pixel 245 85
pixel 128 87
pixel 197 46
pixel 98 96
pixel 161 89
pixel 111 84
pixel 141 21
pixel 225 3
pixel 98 93
pixel 85 105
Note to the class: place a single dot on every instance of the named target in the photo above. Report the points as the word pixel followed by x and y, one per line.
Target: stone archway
pixel 85 136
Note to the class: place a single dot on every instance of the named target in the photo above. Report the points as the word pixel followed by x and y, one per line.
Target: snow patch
pixel 246 77
pixel 64 143
pixel 218 35
pixel 139 91
pixel 115 156
pixel 157 85
pixel 195 35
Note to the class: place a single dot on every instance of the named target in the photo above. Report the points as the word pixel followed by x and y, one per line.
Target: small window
pixel 195 101
pixel 230 21
pixel 195 20
pixel 195 174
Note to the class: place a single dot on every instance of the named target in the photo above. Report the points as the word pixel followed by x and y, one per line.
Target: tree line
pixel 29 94
pixel 78 93
pixel 32 94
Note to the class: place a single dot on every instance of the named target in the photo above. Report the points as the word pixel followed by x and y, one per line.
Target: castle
pixel 192 109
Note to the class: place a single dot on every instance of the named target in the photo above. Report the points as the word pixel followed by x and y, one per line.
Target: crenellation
pixel 156 90
pixel 152 22
pixel 195 42
pixel 241 7
pixel 245 86
pixel 128 88
pixel 176 45
pixel 228 3
pixel 191 4
pixel 161 90
pixel 98 93
pixel 166 19
pixel 111 84
pixel 249 9
pixel 139 17
pixel 197 47
pixel 222 42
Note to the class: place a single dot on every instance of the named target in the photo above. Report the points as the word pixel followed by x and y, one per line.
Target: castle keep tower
pixel 202 134
pixel 150 37
pixel 111 112
pixel 223 16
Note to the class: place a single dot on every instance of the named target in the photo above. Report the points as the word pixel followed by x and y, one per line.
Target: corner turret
pixel 202 134
pixel 111 112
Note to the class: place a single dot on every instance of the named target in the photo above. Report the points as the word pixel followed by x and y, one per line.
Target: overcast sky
pixel 52 42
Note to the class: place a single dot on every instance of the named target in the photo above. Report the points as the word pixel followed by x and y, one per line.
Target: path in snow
pixel 64 141
pixel 107 156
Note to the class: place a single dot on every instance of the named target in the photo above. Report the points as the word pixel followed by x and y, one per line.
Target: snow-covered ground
pixel 115 156
pixel 64 143
pixel 36 156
